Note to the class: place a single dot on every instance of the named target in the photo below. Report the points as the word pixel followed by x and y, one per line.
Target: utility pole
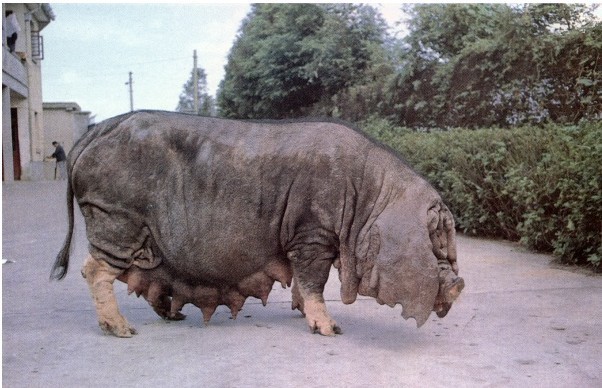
pixel 131 84
pixel 195 80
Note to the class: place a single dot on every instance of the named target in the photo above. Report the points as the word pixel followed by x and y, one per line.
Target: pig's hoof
pixel 443 309
pixel 329 328
pixel 453 290
pixel 176 317
pixel 448 296
pixel 121 329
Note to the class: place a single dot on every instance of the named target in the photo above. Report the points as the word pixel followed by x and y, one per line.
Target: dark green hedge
pixel 542 186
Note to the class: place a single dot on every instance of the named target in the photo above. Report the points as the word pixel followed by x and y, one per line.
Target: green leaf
pixel 585 81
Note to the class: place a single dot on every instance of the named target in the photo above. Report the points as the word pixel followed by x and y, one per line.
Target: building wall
pixel 59 127
pixel 15 89
pixel 82 121
pixel 22 93
pixel 36 115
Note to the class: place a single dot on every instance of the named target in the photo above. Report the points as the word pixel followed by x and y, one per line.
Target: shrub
pixel 564 193
pixel 539 185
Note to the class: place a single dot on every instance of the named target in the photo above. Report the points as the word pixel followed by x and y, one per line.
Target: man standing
pixel 61 160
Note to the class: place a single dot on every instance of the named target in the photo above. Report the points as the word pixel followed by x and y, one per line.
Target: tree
pixel 290 59
pixel 205 101
pixel 498 65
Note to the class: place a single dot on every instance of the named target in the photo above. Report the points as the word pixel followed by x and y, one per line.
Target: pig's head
pixel 408 256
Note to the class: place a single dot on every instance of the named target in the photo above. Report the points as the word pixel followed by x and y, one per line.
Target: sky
pixel 89 49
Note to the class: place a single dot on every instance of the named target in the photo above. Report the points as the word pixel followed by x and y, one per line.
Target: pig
pixel 208 211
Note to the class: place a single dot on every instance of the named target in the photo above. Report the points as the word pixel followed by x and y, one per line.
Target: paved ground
pixel 519 322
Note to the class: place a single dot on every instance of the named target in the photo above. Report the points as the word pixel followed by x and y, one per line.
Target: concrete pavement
pixel 519 322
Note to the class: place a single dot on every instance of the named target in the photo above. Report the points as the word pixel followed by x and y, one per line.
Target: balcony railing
pixel 13 66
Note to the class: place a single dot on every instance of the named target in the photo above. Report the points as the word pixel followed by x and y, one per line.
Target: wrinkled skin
pixel 206 211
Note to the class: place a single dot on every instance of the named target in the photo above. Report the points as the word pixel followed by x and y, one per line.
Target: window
pixel 37 45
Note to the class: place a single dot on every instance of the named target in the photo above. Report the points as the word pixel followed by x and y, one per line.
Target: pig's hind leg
pixel 100 277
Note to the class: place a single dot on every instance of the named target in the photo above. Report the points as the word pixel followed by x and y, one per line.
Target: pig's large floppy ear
pixel 421 285
pixel 411 280
pixel 399 265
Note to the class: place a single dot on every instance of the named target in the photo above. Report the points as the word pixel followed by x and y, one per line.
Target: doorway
pixel 14 124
